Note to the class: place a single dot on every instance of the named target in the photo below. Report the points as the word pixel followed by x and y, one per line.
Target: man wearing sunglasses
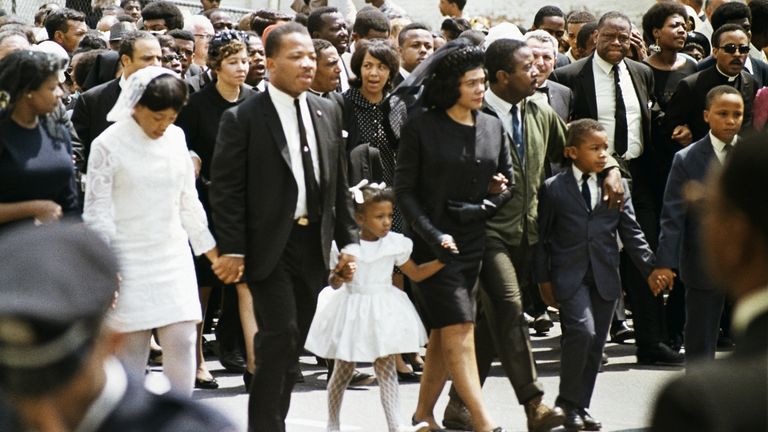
pixel 730 49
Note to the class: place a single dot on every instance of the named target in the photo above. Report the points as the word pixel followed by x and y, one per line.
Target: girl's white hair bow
pixel 357 192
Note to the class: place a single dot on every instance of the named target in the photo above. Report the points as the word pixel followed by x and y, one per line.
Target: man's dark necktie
pixel 585 191
pixel 517 133
pixel 620 116
pixel 310 183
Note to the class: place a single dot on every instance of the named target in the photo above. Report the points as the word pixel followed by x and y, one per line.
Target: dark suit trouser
pixel 229 331
pixel 702 325
pixel 284 304
pixel 648 311
pixel 587 318
pixel 501 327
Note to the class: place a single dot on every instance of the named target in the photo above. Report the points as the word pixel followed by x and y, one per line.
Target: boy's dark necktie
pixel 310 183
pixel 585 191
pixel 620 116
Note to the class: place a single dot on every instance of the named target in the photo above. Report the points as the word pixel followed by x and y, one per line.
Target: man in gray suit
pixel 577 263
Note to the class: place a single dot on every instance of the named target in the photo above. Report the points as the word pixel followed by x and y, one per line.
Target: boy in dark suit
pixel 679 242
pixel 578 263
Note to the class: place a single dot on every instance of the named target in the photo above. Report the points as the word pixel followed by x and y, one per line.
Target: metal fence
pixel 26 9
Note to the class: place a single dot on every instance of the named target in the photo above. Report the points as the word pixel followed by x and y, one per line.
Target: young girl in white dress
pixel 369 319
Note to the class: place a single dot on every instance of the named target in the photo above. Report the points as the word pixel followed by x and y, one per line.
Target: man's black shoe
pixel 661 355
pixel 543 323
pixel 590 423
pixel 232 361
pixel 573 420
pixel 620 332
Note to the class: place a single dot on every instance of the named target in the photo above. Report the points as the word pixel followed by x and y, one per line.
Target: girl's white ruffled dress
pixel 369 317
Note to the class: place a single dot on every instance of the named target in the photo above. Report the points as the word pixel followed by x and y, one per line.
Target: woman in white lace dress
pixel 140 195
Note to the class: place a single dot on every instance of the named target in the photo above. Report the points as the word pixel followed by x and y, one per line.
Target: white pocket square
pixel 344 133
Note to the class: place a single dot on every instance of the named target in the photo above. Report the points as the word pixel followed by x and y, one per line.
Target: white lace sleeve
pixel 191 210
pixel 98 213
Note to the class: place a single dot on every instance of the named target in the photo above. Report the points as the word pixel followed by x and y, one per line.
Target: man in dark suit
pixel 577 263
pixel 730 46
pixel 137 50
pixel 679 242
pixel 58 283
pixel 622 103
pixel 415 44
pixel 556 95
pixel 731 394
pixel 279 197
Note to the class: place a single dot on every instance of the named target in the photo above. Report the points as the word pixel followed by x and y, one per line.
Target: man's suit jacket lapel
pixel 587 83
pixel 275 127
pixel 642 93
pixel 324 138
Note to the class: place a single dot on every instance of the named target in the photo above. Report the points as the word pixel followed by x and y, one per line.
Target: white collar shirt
pixel 591 183
pixel 605 95
pixel 286 111
pixel 503 110
pixel 719 146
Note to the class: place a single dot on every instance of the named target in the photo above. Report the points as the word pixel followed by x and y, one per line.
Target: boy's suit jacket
pixel 571 238
pixel 680 225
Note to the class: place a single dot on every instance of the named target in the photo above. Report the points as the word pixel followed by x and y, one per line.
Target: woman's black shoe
pixel 409 377
pixel 206 384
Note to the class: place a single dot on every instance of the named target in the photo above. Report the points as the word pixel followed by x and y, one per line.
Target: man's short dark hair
pixel 315 21
pixel 92 40
pixel 577 129
pixel 403 35
pixel 547 11
pixel 580 17
pixel 124 3
pixel 725 28
pixel 453 27
pixel 166 11
pixel 275 37
pixel 370 19
pixel 728 12
pixel 321 45
pixel 57 20
pixel 129 42
pixel 264 18
pixel 718 91
pixel 613 15
pixel 585 32
pixel 759 11
pixel 182 34
pixel 500 55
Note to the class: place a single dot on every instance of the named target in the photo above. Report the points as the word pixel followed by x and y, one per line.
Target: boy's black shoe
pixel 573 420
pixel 660 355
pixel 590 423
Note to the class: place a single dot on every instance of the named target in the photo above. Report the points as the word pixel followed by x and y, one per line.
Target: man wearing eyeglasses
pixel 730 49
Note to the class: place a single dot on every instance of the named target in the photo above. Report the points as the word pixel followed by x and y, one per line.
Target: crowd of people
pixel 355 186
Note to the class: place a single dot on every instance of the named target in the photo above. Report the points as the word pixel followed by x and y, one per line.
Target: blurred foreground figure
pixel 731 394
pixel 57 372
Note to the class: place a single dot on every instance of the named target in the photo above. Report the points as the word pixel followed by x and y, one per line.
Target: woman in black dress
pixel 449 158
pixel 37 177
pixel 665 24
pixel 370 121
pixel 228 58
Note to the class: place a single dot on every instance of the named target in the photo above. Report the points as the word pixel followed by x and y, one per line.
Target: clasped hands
pixel 660 279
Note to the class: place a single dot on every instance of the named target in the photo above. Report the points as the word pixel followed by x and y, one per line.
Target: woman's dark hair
pixel 657 15
pixel 163 92
pixel 224 44
pixel 380 50
pixel 442 90
pixel 374 195
pixel 453 27
pixel 25 71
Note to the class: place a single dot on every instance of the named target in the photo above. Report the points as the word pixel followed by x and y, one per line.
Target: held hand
pixel 344 261
pixel 228 268
pixel 682 134
pixel 197 165
pixel 212 255
pixel 547 293
pixel 661 278
pixel 45 211
pixel 613 190
pixel 498 184
pixel 447 242
pixel 447 250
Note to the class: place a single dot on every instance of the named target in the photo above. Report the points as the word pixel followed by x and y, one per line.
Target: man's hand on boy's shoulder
pixel 548 294
pixel 613 189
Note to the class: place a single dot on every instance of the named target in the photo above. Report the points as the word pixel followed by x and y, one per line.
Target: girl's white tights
pixel 178 342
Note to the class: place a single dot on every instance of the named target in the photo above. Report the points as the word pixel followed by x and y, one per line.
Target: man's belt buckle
pixel 302 221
